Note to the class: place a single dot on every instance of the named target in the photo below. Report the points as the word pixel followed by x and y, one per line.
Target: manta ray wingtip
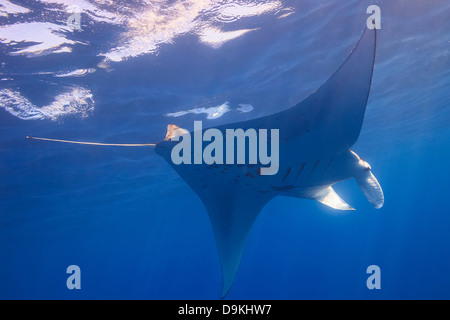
pixel 223 295
pixel 226 287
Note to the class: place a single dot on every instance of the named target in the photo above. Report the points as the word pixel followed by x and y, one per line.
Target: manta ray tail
pixel 172 131
pixel 96 143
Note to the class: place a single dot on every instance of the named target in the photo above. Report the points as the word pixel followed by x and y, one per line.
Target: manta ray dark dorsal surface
pixel 323 126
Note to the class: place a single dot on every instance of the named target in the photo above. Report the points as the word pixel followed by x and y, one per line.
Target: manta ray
pixel 315 137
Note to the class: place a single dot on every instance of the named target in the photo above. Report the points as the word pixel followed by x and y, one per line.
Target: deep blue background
pixel 136 229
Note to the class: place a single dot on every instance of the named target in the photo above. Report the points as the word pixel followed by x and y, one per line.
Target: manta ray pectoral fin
pixel 330 198
pixel 370 188
pixel 332 117
pixel 174 131
pixel 232 216
pixel 231 208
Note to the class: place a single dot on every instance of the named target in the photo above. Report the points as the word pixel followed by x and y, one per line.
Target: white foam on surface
pixel 147 24
pixel 144 26
pixel 77 102
pixel 244 107
pixel 75 73
pixel 43 38
pixel 215 37
pixel 7 7
pixel 211 112
pixel 161 23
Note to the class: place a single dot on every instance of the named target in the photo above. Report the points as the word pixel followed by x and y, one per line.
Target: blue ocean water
pixel 134 228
